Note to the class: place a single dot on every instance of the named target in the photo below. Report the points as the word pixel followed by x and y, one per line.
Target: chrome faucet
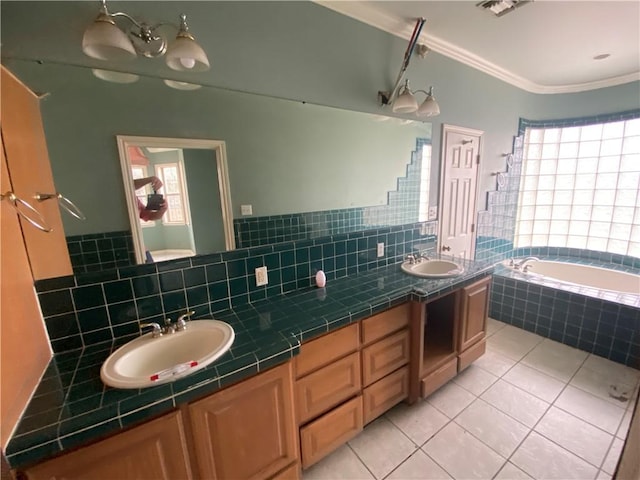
pixel 157 330
pixel 522 263
pixel 168 328
pixel 181 323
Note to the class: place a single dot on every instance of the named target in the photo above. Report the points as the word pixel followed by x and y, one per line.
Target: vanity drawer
pixel 442 375
pixel 382 324
pixel 321 390
pixel 385 356
pixel 330 431
pixel 471 354
pixel 385 393
pixel 326 349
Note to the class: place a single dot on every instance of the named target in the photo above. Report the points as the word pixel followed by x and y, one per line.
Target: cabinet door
pixel 30 170
pixel 155 450
pixel 473 313
pixel 248 430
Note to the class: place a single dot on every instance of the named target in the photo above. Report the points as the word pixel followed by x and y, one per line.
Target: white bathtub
pixel 585 275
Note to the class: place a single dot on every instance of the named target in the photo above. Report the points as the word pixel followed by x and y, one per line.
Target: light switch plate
pixel 380 249
pixel 433 213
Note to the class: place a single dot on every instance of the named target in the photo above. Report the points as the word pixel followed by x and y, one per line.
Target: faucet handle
pixel 411 259
pixel 157 331
pixel 181 323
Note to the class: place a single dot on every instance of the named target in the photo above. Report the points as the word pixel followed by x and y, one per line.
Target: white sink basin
pixel 147 361
pixel 432 269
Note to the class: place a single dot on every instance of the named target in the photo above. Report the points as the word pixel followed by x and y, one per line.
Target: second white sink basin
pixel 147 361
pixel 432 269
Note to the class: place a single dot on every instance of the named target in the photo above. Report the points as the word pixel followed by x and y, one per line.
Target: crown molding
pixel 367 13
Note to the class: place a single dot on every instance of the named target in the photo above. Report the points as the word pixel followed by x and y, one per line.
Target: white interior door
pixel 461 157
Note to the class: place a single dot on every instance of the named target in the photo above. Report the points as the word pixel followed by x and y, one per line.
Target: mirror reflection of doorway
pixel 194 179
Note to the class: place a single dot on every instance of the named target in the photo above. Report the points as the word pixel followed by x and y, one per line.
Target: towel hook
pixel 64 202
pixel 29 213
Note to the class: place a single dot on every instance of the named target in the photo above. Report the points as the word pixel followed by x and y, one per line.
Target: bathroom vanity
pixel 279 421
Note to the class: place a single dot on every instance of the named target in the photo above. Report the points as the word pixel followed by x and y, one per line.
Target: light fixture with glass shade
pixel 401 98
pixel 104 40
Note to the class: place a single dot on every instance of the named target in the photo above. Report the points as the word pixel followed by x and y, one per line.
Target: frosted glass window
pixel 579 188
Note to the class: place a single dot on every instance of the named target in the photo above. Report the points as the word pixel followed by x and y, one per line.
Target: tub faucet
pixel 522 263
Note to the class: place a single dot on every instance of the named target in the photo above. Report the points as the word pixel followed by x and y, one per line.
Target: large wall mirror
pixel 303 167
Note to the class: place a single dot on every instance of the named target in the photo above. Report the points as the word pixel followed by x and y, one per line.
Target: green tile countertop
pixel 72 406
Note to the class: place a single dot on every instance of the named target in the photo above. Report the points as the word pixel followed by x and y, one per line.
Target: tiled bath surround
pixel 605 328
pixel 96 307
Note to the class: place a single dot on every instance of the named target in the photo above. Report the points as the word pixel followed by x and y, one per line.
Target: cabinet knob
pixel 446 248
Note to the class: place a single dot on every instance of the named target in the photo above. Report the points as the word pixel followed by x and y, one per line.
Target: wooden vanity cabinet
pixel 474 310
pixel 157 450
pixel 247 431
pixel 447 335
pixel 349 377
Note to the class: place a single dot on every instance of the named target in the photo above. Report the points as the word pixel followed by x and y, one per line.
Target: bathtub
pixel 589 307
pixel 584 275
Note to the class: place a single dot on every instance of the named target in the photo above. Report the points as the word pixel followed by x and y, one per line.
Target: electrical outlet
pixel 380 249
pixel 261 276
pixel 246 209
pixel 433 213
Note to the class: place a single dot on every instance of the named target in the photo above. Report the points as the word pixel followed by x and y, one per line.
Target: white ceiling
pixel 546 46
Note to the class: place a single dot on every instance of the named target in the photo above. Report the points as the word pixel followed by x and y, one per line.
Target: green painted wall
pixel 296 50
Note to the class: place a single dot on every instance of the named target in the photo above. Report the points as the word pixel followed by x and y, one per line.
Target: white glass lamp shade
pixel 429 107
pixel 105 41
pixel 184 54
pixel 405 102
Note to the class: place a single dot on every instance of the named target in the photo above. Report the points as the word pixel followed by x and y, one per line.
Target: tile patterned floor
pixel 529 408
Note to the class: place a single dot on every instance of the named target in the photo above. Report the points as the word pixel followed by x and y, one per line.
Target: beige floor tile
pixel 541 458
pixel 613 456
pixel 419 466
pixel 493 427
pixel 511 472
pixel 555 359
pixel 516 403
pixel 462 455
pixel 382 447
pixel 609 387
pixel 534 382
pixel 494 326
pixel 451 399
pixel 419 421
pixel 475 379
pixel 577 436
pixel 494 362
pixel 342 463
pixel 513 342
pixel 590 408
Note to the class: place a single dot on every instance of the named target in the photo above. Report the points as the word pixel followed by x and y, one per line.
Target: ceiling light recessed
pixel 602 56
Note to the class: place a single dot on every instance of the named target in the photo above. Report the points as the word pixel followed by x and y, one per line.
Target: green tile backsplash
pixel 96 307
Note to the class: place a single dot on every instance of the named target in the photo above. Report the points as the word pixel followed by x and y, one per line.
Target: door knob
pixel 445 248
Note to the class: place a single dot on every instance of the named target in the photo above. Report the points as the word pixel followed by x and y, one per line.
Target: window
pixel 174 192
pixel 579 187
